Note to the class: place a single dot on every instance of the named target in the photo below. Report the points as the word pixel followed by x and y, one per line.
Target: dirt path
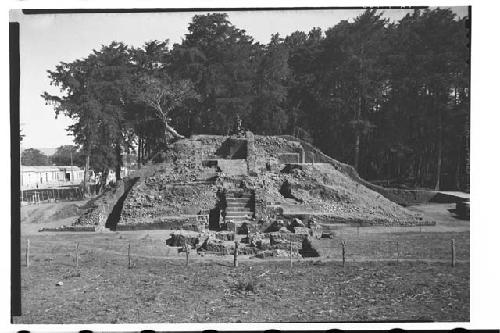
pixel 48 215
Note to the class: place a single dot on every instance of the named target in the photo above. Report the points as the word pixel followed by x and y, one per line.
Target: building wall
pixel 33 178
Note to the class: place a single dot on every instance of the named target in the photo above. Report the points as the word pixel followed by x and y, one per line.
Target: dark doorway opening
pixel 214 219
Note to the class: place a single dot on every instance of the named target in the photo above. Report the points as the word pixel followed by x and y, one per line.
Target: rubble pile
pixel 187 180
pixel 259 244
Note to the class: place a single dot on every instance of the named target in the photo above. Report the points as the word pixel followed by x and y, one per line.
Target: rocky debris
pixel 97 210
pixel 247 228
pixel 215 245
pixel 315 227
pixel 327 234
pixel 180 239
pixel 225 235
pixel 198 226
pixel 276 253
pixel 246 250
pixel 279 237
pixel 70 228
pixel 181 184
pixel 284 230
pixel 302 231
pixel 297 223
pixel 276 226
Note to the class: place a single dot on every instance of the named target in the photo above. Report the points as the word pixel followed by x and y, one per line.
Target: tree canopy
pixel 390 98
pixel 33 157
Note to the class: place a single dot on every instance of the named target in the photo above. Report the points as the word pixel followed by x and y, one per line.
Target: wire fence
pixel 350 245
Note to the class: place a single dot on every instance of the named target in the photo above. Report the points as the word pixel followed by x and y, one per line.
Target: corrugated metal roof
pixel 48 168
pixel 39 168
pixel 68 167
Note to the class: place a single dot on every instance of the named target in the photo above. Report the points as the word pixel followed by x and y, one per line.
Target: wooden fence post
pixel 76 254
pixel 235 253
pixel 129 259
pixel 186 248
pixel 453 252
pixel 28 254
pixel 343 253
pixel 397 251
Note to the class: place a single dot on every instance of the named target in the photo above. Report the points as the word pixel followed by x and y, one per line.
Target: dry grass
pixel 168 291
pixel 156 289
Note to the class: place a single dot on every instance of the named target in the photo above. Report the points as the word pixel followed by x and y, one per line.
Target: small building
pixel 42 176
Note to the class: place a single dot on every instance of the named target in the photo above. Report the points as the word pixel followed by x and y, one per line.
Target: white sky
pixel 46 40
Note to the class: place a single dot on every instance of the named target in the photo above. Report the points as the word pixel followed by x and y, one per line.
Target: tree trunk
pixel 356 152
pixel 457 172
pixel 85 175
pixel 439 151
pixel 139 144
pixel 170 130
pixel 104 178
pixel 118 162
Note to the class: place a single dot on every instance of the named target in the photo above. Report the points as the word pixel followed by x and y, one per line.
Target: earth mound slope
pixel 192 176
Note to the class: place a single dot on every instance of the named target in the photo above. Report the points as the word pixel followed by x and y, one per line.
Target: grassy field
pixel 161 288
pixel 106 291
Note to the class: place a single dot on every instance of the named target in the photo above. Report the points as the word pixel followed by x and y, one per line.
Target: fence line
pixel 123 248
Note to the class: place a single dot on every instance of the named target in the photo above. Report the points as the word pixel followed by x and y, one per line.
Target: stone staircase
pixel 233 167
pixel 240 205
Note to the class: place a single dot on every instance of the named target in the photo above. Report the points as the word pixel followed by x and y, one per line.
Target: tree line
pixel 390 98
pixel 64 155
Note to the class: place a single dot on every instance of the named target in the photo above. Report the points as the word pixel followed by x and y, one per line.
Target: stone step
pixel 238 192
pixel 239 206
pixel 239 213
pixel 236 213
pixel 238 199
pixel 236 204
pixel 238 218
pixel 239 195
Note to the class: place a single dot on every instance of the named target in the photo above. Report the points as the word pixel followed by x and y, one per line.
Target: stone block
pixel 179 240
pixel 302 231
pixel 225 236
pixel 278 237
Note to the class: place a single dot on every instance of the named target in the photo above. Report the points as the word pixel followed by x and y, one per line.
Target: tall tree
pixel 68 155
pixel 219 59
pixel 94 92
pixel 163 96
pixel 269 115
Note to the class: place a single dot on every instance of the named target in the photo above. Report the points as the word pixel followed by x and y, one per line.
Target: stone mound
pixel 191 178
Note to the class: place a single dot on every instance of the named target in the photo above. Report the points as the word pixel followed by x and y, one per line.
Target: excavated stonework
pixel 241 180
pixel 274 194
pixel 244 184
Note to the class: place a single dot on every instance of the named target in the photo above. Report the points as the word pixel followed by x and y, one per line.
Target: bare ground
pixel 160 288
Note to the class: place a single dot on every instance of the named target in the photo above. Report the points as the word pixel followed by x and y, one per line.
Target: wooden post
pixel 129 259
pixel 290 254
pixel 235 253
pixel 453 252
pixel 397 250
pixel 28 254
pixel 76 254
pixel 343 253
